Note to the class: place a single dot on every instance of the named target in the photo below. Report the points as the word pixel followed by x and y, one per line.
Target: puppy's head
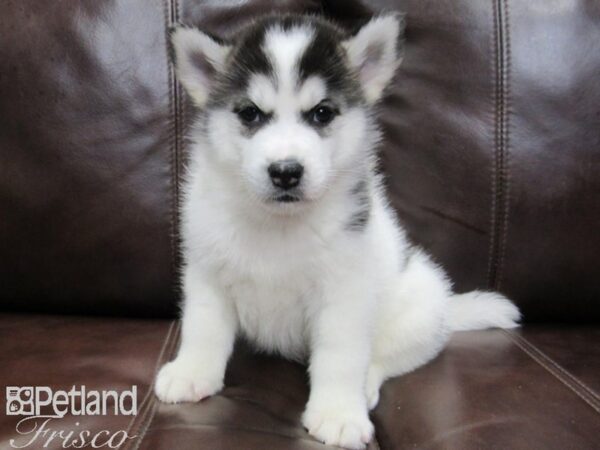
pixel 287 102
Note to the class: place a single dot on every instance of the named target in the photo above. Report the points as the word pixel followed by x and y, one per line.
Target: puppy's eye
pixel 322 115
pixel 250 115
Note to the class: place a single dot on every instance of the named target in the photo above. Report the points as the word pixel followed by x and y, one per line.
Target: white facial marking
pixel 285 48
pixel 312 91
pixel 262 92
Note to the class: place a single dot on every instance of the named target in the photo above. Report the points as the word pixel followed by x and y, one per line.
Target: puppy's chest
pixel 274 317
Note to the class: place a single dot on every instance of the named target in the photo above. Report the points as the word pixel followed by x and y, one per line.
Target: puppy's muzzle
pixel 285 174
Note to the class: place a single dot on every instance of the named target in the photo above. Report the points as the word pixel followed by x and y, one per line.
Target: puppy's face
pixel 286 106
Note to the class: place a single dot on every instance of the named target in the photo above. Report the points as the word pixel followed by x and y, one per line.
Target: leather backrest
pixel 493 147
pixel 492 139
pixel 91 151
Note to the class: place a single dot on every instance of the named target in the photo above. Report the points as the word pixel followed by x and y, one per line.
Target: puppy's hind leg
pixel 411 327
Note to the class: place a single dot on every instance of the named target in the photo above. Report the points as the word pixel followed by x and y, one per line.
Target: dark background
pixel 492 148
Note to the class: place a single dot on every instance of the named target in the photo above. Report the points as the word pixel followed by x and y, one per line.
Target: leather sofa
pixel 492 159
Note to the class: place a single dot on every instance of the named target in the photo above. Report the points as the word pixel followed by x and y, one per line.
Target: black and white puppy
pixel 288 239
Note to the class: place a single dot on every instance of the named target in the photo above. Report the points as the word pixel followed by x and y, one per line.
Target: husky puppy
pixel 288 239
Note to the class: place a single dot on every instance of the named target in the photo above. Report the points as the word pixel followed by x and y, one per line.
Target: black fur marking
pixel 325 58
pixel 246 59
pixel 360 218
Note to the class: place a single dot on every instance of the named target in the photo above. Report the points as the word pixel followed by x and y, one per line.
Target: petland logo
pixel 41 405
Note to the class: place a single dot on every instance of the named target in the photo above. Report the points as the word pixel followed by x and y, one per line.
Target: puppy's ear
pixel 374 52
pixel 198 60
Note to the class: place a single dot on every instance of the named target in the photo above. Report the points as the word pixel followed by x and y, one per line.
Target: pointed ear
pixel 198 59
pixel 375 53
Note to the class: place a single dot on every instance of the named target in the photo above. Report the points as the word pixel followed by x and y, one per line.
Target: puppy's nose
pixel 285 174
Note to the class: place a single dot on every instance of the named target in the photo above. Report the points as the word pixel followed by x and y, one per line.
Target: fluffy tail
pixel 478 310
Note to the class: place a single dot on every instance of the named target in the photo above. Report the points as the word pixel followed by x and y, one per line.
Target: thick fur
pixel 323 272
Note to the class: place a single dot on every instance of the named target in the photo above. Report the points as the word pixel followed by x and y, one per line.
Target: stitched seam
pixel 178 147
pixel 164 356
pixel 506 148
pixel 575 385
pixel 149 403
pixel 556 366
pixel 170 77
pixel 495 77
pixel 147 397
pixel 171 14
pixel 499 204
pixel 151 411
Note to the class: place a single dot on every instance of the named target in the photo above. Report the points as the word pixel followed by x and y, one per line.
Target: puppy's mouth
pixel 286 197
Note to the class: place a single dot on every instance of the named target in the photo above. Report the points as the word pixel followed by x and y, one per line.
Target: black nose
pixel 286 174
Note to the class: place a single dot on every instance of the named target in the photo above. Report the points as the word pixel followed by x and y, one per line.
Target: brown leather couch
pixel 492 156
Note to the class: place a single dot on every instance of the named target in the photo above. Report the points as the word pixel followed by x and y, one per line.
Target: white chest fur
pixel 273 316
pixel 272 277
pixel 272 270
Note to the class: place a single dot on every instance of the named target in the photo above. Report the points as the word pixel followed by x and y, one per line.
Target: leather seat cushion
pixel 489 389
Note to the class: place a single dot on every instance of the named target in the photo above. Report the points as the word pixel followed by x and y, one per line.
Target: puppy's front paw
pixel 343 427
pixel 179 381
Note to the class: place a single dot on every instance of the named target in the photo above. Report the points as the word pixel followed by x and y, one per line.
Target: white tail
pixel 478 310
